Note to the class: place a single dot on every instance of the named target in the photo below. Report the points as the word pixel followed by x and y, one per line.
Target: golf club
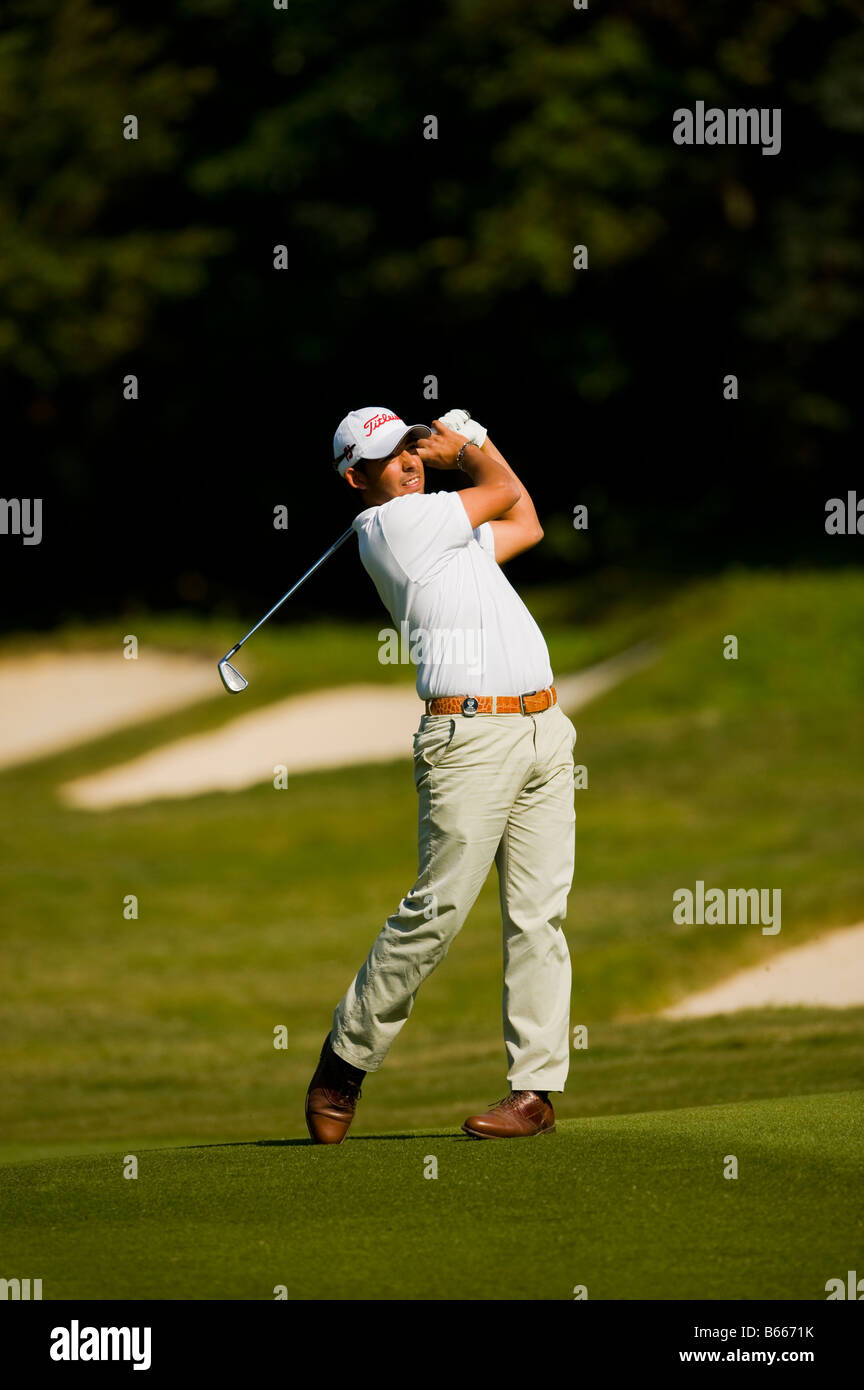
pixel 231 677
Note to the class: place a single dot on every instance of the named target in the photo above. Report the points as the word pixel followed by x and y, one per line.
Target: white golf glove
pixel 461 423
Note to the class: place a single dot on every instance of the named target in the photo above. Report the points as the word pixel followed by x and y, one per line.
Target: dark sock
pixel 354 1073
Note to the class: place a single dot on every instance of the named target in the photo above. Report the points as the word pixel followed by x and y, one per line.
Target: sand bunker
pixel 304 733
pixel 53 701
pixel 828 971
pixel 56 700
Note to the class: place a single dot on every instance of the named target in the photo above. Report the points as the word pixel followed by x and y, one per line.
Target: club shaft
pixel 294 587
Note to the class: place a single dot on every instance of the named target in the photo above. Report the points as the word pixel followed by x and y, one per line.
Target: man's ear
pixel 356 479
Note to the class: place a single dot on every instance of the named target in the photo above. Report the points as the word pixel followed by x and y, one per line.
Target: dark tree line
pixel 411 258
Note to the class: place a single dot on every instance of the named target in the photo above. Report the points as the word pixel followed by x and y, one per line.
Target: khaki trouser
pixel 490 787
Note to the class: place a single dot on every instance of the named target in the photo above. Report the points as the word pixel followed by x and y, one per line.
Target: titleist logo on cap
pixel 377 420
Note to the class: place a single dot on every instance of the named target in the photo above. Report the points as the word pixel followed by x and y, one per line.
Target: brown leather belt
pixel 532 703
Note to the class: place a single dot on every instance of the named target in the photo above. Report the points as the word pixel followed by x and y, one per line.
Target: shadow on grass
pixel 307 1143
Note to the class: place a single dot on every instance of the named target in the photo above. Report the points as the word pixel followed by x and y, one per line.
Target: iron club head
pixel 231 677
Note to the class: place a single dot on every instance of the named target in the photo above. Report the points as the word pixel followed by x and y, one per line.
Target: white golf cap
pixel 371 433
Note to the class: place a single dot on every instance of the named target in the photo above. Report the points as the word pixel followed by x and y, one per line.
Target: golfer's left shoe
pixel 520 1115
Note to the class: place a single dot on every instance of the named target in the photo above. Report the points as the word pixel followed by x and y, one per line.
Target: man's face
pixel 385 479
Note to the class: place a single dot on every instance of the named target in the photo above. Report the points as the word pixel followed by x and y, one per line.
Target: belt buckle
pixel 469 706
pixel 522 708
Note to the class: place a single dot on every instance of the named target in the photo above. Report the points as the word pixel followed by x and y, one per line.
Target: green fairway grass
pixel 155 1036
pixel 651 1064
pixel 629 1207
pixel 256 908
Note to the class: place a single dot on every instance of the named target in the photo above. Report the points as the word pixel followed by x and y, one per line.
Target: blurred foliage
pixel 555 128
pixel 81 267
pixel 407 256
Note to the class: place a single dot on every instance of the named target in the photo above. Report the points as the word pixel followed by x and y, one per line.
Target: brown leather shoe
pixel 518 1116
pixel 332 1097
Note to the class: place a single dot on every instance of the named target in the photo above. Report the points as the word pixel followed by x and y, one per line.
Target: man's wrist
pixel 470 454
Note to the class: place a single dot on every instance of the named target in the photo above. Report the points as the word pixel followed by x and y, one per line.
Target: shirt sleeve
pixel 424 531
pixel 485 537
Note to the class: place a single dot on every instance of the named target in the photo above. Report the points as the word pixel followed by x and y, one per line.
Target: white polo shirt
pixel 455 612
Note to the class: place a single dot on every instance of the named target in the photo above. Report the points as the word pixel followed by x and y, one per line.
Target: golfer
pixel 493 763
